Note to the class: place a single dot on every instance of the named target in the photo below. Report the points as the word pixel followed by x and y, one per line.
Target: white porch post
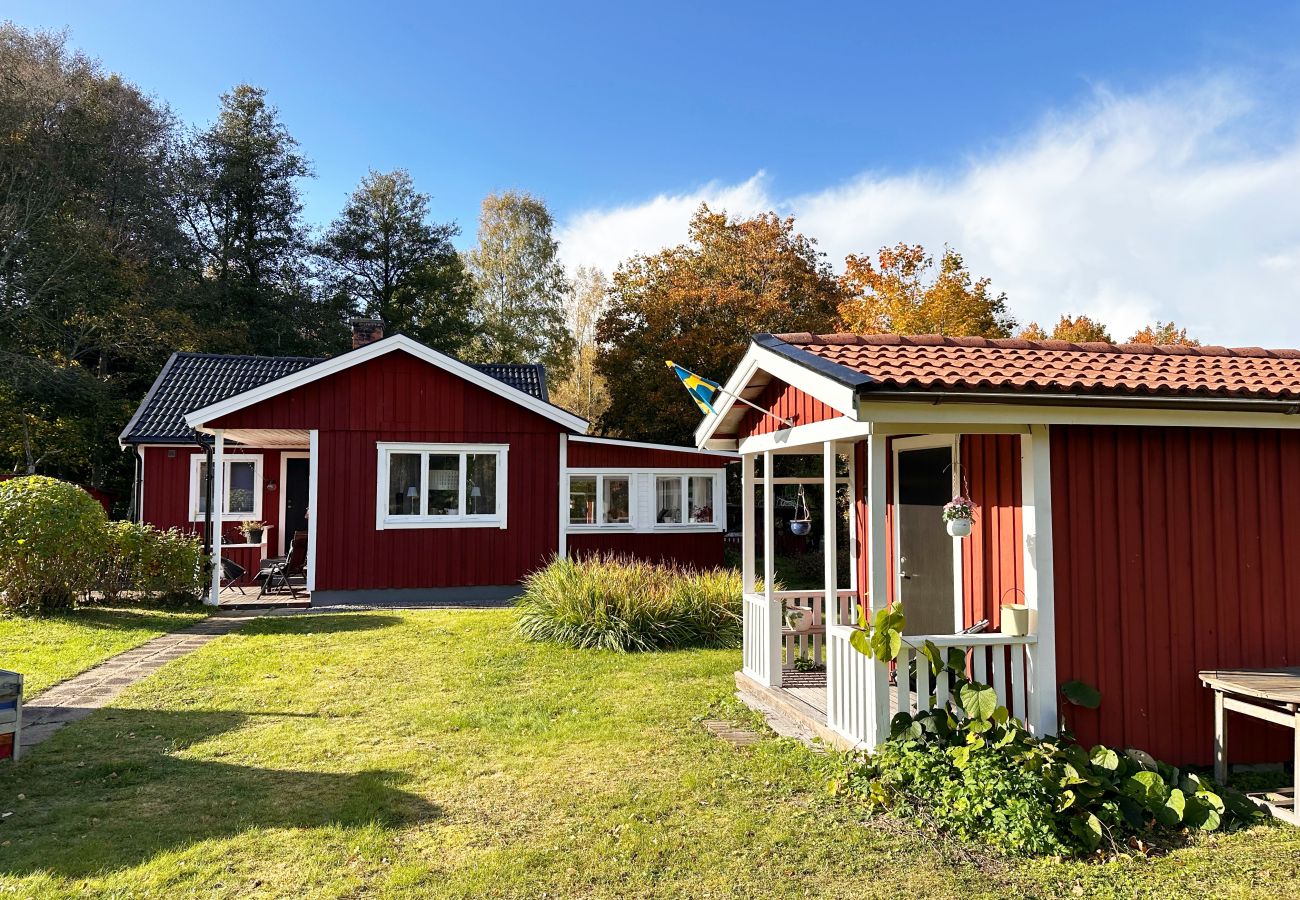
pixel 218 475
pixel 747 535
pixel 877 693
pixel 1036 526
pixel 769 573
pixel 313 482
pixel 830 530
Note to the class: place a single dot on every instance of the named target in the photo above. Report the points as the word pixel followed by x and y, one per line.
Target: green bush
pixel 619 603
pixel 975 772
pixel 51 540
pixel 150 564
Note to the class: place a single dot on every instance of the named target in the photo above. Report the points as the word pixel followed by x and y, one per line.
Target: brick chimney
pixel 366 331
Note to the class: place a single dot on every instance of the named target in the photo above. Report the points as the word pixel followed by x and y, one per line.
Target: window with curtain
pixel 440 485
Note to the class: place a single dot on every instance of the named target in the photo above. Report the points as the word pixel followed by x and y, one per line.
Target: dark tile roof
pixel 937 363
pixel 531 379
pixel 191 381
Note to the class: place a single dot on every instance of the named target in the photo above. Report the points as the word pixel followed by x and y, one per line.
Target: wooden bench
pixel 11 710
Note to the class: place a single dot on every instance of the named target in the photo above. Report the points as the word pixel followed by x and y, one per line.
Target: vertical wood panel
pixel 1172 557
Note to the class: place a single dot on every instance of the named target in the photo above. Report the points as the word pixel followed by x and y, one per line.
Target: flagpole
pixel 786 422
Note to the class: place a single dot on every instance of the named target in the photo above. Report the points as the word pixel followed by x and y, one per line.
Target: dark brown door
pixel 924 546
pixel 295 488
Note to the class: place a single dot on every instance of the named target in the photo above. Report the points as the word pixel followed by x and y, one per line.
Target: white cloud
pixel 1179 203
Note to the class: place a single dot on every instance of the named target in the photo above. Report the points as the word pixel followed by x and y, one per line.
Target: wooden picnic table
pixel 1269 694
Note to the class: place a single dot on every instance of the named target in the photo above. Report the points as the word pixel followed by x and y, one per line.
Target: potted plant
pixel 252 530
pixel 959 516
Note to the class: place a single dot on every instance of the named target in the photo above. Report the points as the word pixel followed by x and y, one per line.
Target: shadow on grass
pixel 112 793
pixel 320 623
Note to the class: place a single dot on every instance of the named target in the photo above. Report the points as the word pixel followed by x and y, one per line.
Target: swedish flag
pixel 702 390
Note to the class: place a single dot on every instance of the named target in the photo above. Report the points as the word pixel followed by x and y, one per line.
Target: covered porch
pixel 287 486
pixel 897 476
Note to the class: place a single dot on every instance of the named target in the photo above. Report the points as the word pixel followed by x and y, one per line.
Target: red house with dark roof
pixel 1135 498
pixel 408 474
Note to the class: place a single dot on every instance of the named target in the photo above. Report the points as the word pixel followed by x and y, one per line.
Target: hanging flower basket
pixel 801 524
pixel 959 516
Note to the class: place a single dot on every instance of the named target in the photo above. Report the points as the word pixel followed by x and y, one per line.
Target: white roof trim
pixel 642 445
pixel 756 358
pixel 199 417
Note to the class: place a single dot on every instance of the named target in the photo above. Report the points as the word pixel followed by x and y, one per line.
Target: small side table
pixel 1269 694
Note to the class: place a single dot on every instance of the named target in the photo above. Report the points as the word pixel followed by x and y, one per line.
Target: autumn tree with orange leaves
pixel 1075 329
pixel 905 291
pixel 698 304
pixel 1164 333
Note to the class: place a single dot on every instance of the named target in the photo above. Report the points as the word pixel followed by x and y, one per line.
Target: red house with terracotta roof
pixel 409 474
pixel 1136 498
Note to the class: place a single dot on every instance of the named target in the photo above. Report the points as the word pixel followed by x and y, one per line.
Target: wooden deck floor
pixel 810 687
pixel 231 598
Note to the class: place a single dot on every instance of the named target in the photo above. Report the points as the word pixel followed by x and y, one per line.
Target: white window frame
pixel 600 524
pixel 197 487
pixel 384 520
pixel 684 478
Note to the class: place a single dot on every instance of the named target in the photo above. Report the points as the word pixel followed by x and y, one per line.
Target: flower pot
pixel 1015 619
pixel 254 536
pixel 800 527
pixel 798 619
pixel 959 527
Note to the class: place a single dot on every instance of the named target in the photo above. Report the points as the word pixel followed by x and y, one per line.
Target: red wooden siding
pixel 1172 556
pixel 587 455
pixel 788 403
pixel 167 498
pixel 993 562
pixel 397 397
pixel 698 550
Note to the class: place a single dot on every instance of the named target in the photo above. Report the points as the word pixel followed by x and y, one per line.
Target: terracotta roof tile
pixel 937 363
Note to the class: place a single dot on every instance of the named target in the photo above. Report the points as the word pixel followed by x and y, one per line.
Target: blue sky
pixel 611 111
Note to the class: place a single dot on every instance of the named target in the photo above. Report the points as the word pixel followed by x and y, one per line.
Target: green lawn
pixel 48 649
pixel 435 754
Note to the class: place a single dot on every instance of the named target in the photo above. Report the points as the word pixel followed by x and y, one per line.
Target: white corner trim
pixel 199 418
pixel 562 549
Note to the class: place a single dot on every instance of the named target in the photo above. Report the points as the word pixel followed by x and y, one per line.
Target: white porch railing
pixel 760 632
pixel 994 659
pixel 809 642
pixel 850 695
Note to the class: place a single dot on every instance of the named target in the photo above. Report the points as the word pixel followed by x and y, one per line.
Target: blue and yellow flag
pixel 702 390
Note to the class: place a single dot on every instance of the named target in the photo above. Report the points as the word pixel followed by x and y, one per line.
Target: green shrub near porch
pixel 52 536
pixel 150 563
pixel 619 603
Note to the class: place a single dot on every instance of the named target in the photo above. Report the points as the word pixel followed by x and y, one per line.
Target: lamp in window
pixel 413 498
pixel 476 496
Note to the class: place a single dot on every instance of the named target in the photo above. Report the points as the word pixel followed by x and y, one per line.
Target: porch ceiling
pixel 270 438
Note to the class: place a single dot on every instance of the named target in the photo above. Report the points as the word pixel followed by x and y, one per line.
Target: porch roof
pixel 935 363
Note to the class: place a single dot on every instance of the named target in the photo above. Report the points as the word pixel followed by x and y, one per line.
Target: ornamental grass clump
pixel 619 603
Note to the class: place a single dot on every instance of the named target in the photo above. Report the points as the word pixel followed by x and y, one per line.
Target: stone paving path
pixel 79 696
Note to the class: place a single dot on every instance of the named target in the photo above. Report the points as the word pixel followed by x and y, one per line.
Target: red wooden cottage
pixel 1136 498
pixel 412 475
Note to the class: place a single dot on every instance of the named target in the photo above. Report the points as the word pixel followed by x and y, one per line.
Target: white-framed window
pixel 242 487
pixel 687 499
pixel 441 486
pixel 600 500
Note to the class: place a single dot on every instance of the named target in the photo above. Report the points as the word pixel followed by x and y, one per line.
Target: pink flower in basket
pixel 959 507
